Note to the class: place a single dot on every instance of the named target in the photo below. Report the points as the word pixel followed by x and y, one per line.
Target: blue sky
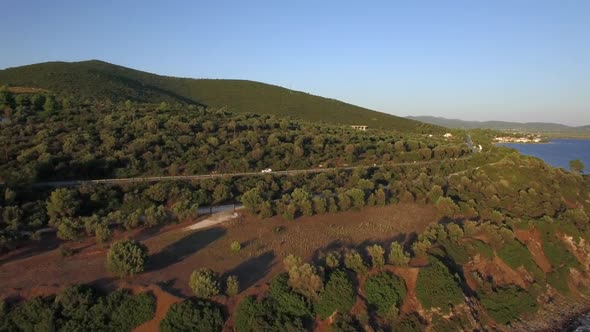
pixel 513 60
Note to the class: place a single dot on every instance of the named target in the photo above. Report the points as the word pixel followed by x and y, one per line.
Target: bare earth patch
pixel 532 239
pixel 175 252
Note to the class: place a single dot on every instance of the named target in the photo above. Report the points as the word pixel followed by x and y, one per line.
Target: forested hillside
pixel 45 138
pixel 97 80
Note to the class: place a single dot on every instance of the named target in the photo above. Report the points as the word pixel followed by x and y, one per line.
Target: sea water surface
pixel 557 152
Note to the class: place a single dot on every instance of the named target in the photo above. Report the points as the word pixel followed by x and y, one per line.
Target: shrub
pixel 377 255
pixel 397 255
pixel 420 248
pixel 506 304
pixel 333 260
pixel 558 279
pixel 354 261
pixel 66 251
pixel 235 246
pixel 304 279
pixel 291 261
pixel 103 233
pixel 515 255
pixel 384 291
pixel 127 257
pixel 338 295
pixel 436 287
pixel 232 286
pixel 204 283
pixel 344 323
pixel 411 323
pixel 192 315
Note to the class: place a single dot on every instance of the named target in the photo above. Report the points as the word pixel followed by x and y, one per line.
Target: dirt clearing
pixel 175 252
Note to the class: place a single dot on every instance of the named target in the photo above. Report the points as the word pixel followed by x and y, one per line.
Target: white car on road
pixel 266 170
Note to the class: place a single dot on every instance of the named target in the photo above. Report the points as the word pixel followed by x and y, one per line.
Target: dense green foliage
pixel 80 308
pixel 193 315
pixel 516 255
pixel 127 257
pixel 103 81
pixel 338 295
pixel 436 287
pixel 253 316
pixel 204 283
pixel 285 300
pixel 506 304
pixel 385 291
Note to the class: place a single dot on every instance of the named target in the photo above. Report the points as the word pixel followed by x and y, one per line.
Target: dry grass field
pixel 175 253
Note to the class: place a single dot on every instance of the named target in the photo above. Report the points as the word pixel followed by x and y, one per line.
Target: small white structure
pixel 448 135
pixel 266 170
pixel 359 127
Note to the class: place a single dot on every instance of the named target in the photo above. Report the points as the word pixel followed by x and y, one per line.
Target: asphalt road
pixel 70 183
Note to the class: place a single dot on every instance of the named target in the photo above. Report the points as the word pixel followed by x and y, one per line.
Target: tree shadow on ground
pixel 31 248
pixel 170 287
pixel 184 247
pixel 106 284
pixel 148 232
pixel 251 271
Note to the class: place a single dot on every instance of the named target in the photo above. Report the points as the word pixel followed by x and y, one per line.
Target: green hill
pixel 543 127
pixel 100 80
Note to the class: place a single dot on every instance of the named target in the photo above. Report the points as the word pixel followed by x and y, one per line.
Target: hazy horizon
pixel 500 61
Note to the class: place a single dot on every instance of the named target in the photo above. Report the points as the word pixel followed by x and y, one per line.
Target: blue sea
pixel 558 152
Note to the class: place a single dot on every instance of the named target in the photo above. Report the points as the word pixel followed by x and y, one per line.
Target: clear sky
pixel 513 60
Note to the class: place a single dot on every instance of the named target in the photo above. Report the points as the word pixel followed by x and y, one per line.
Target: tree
pixel 338 295
pixel 577 166
pixel 204 283
pixel 284 300
pixel 50 104
pixel 305 280
pixel 252 200
pixel 354 261
pixel 103 233
pixel 377 255
pixel 385 291
pixel 62 203
pixel 163 107
pixel 37 102
pixel 397 255
pixel 333 260
pixel 127 257
pixel 232 286
pixel 6 98
pixel 436 287
pixel 358 198
pixel 193 315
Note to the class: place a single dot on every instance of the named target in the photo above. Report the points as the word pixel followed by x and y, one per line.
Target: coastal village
pixel 524 139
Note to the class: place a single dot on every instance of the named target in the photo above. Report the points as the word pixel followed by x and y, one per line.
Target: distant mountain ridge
pixel 96 79
pixel 501 125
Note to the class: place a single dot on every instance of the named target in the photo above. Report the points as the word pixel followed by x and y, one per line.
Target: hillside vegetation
pixel 97 80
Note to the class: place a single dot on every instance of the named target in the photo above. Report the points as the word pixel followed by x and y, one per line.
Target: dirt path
pixel 214 219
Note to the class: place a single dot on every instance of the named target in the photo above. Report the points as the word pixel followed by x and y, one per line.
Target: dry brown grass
pixel 176 253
